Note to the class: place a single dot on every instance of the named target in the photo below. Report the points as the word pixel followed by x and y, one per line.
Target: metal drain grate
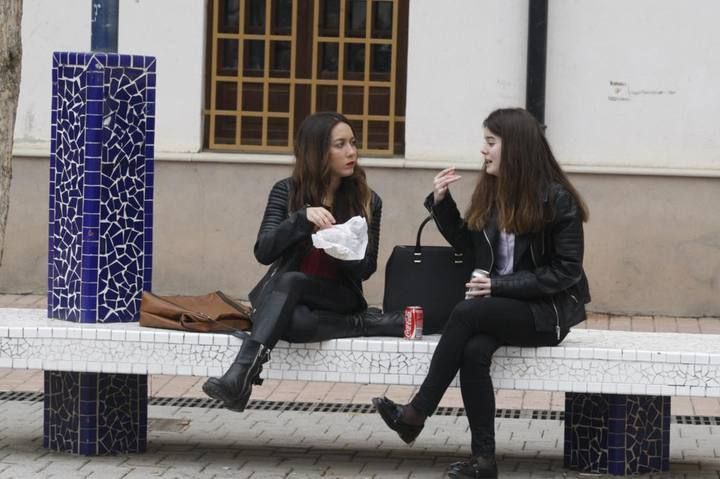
pixel 324 407
pixel 21 396
pixel 697 420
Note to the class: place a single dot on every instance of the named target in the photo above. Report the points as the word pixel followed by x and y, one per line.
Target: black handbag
pixel 433 277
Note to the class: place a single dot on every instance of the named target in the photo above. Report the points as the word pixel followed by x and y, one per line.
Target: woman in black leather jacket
pixel 524 226
pixel 307 295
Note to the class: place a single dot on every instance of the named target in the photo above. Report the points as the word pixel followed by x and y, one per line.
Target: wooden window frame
pixel 395 84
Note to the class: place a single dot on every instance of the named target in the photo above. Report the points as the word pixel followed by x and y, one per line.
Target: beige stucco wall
pixel 652 245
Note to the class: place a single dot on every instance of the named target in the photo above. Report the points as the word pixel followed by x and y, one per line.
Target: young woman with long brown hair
pixel 524 226
pixel 307 295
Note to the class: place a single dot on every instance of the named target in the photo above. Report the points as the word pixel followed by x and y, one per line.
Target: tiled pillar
pixel 617 434
pixel 95 414
pixel 100 237
pixel 101 186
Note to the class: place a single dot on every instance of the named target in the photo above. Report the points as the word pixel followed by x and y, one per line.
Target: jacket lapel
pixel 490 231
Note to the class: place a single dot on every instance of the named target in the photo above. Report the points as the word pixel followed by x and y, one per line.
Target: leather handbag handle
pixel 458 257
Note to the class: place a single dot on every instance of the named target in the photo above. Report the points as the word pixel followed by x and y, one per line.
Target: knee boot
pixel 371 322
pixel 235 386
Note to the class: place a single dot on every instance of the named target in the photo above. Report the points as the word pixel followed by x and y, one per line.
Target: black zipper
pixel 492 253
pixel 273 270
pixel 552 300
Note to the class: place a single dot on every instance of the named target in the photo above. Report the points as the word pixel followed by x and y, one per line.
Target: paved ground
pixel 215 443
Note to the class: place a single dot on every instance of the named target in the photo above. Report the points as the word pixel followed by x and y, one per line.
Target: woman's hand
pixel 320 217
pixel 479 286
pixel 441 182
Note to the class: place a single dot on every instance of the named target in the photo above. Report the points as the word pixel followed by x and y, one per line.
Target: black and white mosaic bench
pixel 618 384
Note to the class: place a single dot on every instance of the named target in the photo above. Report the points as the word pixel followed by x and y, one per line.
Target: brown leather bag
pixel 213 312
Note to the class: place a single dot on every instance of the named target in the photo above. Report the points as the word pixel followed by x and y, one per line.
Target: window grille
pixel 273 62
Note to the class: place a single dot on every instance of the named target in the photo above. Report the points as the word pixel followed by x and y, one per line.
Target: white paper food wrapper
pixel 347 241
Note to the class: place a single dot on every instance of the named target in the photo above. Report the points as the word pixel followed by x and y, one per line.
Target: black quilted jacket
pixel 547 269
pixel 284 239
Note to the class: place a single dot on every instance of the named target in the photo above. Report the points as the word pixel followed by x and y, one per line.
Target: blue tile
pixel 89 274
pixel 88 438
pixel 93 165
pixel 101 57
pixel 90 234
pixel 93 175
pixel 87 449
pixel 87 317
pixel 94 121
pixel 88 408
pixel 88 303
pixel 94 106
pixel 92 192
pixel 89 289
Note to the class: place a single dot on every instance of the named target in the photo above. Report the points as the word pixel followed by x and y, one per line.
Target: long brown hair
pixel 527 169
pixel 311 174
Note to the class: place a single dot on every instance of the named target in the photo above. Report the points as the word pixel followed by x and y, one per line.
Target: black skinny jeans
pixel 286 311
pixel 476 328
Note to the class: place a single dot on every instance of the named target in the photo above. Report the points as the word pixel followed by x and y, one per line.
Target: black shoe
pixel 392 414
pixel 233 389
pixel 478 467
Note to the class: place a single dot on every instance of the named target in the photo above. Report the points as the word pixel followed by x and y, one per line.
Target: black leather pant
pixel 475 330
pixel 288 310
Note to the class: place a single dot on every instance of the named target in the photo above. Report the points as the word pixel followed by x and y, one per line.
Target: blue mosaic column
pixel 101 186
pixel 95 414
pixel 99 238
pixel 617 434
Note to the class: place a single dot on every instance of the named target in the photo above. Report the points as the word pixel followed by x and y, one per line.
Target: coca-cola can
pixel 477 273
pixel 413 322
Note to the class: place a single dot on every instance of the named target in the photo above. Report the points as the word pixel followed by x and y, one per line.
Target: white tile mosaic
pixel 588 360
pixel 624 389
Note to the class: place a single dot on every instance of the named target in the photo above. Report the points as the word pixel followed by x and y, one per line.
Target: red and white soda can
pixel 413 322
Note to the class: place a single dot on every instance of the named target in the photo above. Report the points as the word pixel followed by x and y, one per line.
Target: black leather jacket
pixel 547 266
pixel 284 239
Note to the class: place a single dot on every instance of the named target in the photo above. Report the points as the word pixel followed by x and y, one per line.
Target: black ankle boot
pixel 235 386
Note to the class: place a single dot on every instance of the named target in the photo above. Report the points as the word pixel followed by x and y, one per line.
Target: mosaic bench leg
pixel 95 413
pixel 617 434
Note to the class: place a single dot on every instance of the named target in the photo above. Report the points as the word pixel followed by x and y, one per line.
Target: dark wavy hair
pixel 527 169
pixel 311 174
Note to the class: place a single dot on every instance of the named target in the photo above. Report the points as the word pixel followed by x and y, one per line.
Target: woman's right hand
pixel 320 217
pixel 442 181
